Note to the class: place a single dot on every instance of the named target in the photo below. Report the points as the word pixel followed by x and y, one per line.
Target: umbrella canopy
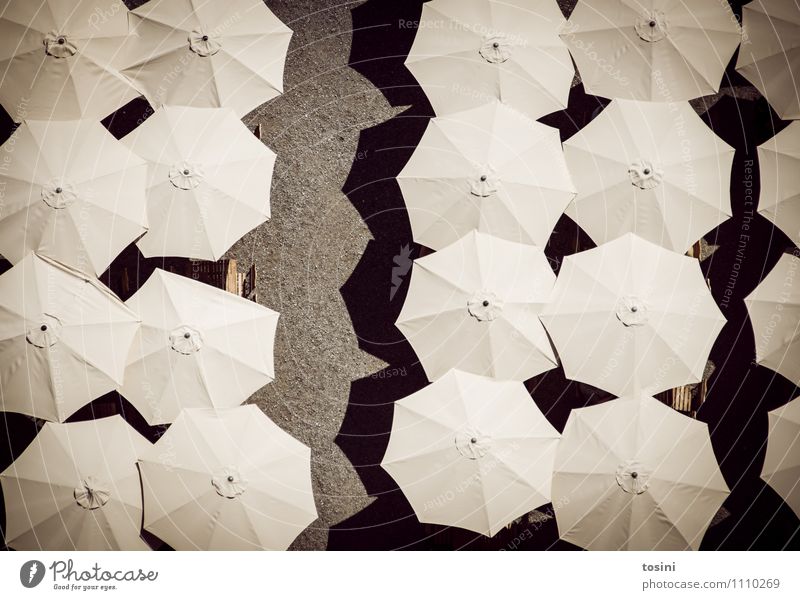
pixel 652 169
pixel 634 474
pixel 474 306
pixel 774 309
pixel 770 56
pixel 198 346
pixel 468 52
pixel 779 164
pixel 489 168
pixel 207 54
pixel 630 316
pixel 72 192
pixel 63 339
pixel 782 462
pixel 56 59
pixel 227 480
pixel 209 180
pixel 76 487
pixel 471 452
pixel 660 51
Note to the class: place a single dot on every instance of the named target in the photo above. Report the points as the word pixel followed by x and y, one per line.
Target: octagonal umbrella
pixel 57 59
pixel 474 306
pixel 652 169
pixel 472 452
pixel 779 165
pixel 634 474
pixel 208 181
pixel 71 192
pixel 491 169
pixel 198 346
pixel 774 309
pixel 207 54
pixel 63 339
pixel 227 479
pixel 630 316
pixel 76 487
pixel 770 56
pixel 782 461
pixel 469 52
pixel 659 51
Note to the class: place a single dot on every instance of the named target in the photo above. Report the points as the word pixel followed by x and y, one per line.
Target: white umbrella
pixel 660 51
pixel 782 461
pixel 209 181
pixel 71 192
pixel 63 339
pixel 774 309
pixel 770 54
pixel 227 480
pixel 198 346
pixel 468 52
pixel 779 164
pixel 489 168
pixel 634 474
pixel 76 487
pixel 652 169
pixel 471 452
pixel 208 54
pixel 56 59
pixel 630 316
pixel 475 305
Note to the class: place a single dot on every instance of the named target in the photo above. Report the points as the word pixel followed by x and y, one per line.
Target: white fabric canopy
pixel 634 474
pixel 652 169
pixel 209 181
pixel 782 462
pixel 207 54
pixel 770 55
pixel 57 58
pixel 774 309
pixel 779 165
pixel 491 169
pixel 469 52
pixel 474 306
pixel 630 316
pixel 660 51
pixel 471 452
pixel 198 346
pixel 71 191
pixel 64 338
pixel 76 487
pixel 227 479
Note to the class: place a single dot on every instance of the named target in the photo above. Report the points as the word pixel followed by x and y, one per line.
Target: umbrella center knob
pixel 58 194
pixel 185 340
pixel 92 493
pixel 45 332
pixel 495 49
pixel 631 311
pixel 58 45
pixel 472 444
pixel 485 184
pixel 485 306
pixel 204 43
pixel 644 174
pixel 185 175
pixel 652 27
pixel 228 482
pixel 632 477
